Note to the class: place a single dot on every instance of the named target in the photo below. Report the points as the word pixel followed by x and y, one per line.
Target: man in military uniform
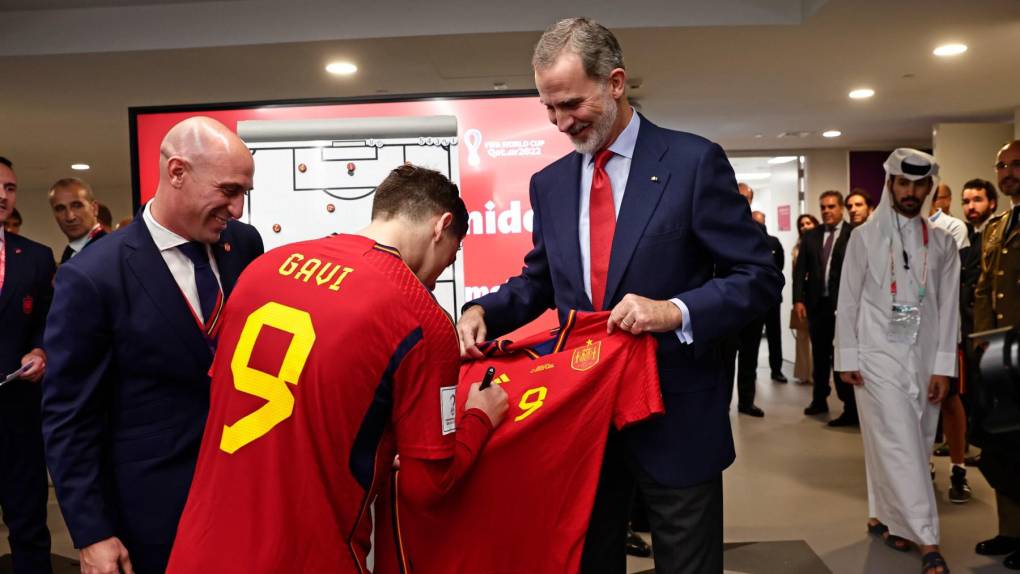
pixel 997 304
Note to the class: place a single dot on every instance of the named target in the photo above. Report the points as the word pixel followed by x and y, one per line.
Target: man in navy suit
pixel 26 275
pixel 130 341
pixel 647 222
pixel 77 213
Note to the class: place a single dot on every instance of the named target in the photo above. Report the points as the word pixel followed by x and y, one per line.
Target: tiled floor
pixel 797 479
pixel 798 490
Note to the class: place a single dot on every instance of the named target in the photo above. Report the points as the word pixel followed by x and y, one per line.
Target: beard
pixel 600 128
pixel 908 206
pixel 977 217
pixel 1010 186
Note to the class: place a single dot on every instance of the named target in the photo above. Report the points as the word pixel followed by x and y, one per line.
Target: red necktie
pixel 602 224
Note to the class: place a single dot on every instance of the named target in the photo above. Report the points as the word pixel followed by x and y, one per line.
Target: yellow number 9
pixel 529 403
pixel 280 401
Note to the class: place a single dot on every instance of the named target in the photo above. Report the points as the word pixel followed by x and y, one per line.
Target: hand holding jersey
pixel 636 314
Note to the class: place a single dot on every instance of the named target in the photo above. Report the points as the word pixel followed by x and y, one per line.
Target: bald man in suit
pixel 131 339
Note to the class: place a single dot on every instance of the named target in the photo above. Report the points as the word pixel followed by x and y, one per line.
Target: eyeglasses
pixel 1015 164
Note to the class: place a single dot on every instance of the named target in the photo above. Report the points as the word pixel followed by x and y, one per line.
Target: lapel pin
pixel 655 178
pixel 226 247
pixel 17 250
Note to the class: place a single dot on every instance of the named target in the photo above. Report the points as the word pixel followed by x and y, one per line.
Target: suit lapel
pixel 819 248
pixel 645 184
pixel 844 236
pixel 14 270
pixel 150 270
pixel 566 195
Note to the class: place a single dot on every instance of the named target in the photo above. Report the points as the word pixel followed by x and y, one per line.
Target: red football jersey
pixel 524 506
pixel 332 358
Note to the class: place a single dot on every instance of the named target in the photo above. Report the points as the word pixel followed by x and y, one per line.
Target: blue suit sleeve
pixel 747 282
pixel 44 293
pixel 524 297
pixel 79 349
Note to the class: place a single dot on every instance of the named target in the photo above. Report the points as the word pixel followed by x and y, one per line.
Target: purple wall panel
pixel 866 172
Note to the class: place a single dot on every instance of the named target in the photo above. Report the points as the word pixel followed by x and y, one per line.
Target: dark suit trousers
pixel 773 331
pixel 822 328
pixel 687 523
pixel 23 486
pixel 741 358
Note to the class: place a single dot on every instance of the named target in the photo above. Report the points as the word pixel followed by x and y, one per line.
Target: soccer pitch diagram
pixel 317 177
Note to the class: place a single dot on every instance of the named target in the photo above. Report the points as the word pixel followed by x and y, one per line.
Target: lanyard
pixel 924 271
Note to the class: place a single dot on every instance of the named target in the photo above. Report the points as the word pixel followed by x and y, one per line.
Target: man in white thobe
pixel 896 334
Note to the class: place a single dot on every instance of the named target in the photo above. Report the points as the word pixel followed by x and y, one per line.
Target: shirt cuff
pixel 684 333
pixel 945 364
pixel 845 360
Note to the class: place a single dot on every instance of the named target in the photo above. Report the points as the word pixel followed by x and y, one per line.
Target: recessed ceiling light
pixel 862 93
pixel 499 85
pixel 341 68
pixel 831 134
pixel 80 166
pixel 782 159
pixel 947 50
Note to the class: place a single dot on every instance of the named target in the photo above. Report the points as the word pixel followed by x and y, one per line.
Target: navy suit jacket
pixel 682 231
pixel 24 301
pixel 66 255
pixel 809 273
pixel 126 392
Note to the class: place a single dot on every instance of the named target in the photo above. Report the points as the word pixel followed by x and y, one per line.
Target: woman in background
pixel 802 361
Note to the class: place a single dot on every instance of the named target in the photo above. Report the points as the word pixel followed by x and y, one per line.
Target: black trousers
pixel 773 332
pixel 687 522
pixel 741 358
pixel 822 328
pixel 24 489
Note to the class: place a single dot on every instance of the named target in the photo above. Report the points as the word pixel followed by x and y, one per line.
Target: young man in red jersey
pixel 333 358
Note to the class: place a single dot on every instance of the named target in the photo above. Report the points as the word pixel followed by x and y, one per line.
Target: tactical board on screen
pixel 318 177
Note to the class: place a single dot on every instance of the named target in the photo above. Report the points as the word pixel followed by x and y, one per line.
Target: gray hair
pixel 73 183
pixel 597 47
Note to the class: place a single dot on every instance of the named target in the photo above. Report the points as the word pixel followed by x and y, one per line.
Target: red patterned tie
pixel 602 224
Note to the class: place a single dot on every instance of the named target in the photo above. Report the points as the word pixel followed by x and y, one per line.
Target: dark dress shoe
pixel 1012 561
pixel 844 421
pixel 636 546
pixel 998 545
pixel 779 377
pixel 751 410
pixel 816 409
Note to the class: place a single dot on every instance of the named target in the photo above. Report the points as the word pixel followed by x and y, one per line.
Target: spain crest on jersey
pixel 586 357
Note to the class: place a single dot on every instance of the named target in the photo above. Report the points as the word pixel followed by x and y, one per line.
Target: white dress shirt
pixel 954 226
pixel 180 266
pixel 618 170
pixel 78 244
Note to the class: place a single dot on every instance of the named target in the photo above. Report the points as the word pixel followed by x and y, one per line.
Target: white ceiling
pixel 119 25
pixel 729 69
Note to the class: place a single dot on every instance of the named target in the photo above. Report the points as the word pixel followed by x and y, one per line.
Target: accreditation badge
pixel 904 323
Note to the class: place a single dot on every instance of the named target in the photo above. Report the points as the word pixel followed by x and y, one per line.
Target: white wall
pixel 967 150
pixel 824 169
pixel 34 206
